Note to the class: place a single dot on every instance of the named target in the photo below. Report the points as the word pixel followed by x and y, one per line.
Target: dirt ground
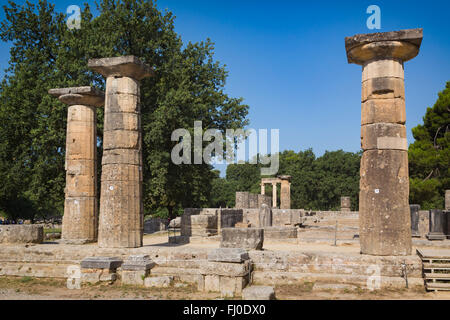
pixel 27 288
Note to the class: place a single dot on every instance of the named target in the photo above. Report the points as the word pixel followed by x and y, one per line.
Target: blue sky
pixel 287 60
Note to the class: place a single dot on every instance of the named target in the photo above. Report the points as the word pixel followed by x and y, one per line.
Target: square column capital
pixel 125 66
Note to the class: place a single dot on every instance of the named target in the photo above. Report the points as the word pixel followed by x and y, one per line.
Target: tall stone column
pixel 80 220
pixel 285 193
pixel 274 194
pixel 121 217
pixel 384 216
pixel 263 188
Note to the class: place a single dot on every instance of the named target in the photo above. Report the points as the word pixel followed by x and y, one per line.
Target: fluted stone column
pixel 384 215
pixel 274 194
pixel 121 209
pixel 285 193
pixel 80 220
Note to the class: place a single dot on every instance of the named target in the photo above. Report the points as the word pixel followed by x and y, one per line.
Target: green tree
pixel 429 155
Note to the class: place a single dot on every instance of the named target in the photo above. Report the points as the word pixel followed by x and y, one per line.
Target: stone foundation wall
pixel 184 264
pixel 208 221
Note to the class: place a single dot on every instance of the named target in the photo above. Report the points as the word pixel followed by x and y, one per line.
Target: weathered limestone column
pixel 274 194
pixel 263 188
pixel 80 220
pixel 121 209
pixel 384 216
pixel 346 204
pixel 285 193
pixel 447 199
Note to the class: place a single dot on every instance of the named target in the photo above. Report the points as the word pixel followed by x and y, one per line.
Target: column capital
pixel 87 95
pixel 400 45
pixel 125 66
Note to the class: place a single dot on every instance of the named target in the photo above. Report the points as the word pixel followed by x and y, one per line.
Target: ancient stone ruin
pixel 385 222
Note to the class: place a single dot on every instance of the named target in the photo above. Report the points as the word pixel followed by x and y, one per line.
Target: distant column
pixel 263 188
pixel 80 220
pixel 121 209
pixel 274 194
pixel 285 193
pixel 385 222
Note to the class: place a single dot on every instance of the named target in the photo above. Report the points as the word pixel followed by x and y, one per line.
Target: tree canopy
pixel 429 155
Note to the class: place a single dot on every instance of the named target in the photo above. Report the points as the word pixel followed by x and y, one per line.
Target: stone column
pixel 285 194
pixel 274 194
pixel 447 199
pixel 121 209
pixel 263 188
pixel 414 210
pixel 385 222
pixel 346 204
pixel 80 220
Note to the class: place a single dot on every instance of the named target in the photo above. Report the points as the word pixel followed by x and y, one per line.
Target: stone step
pixel 441 266
pixel 438 286
pixel 437 276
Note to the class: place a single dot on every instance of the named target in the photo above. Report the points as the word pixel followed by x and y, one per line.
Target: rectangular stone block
pixel 203 225
pixel 249 238
pixel 258 293
pixel 121 156
pixel 383 110
pixel 388 68
pixel 121 172
pixel 134 277
pixel 121 139
pixel 226 268
pixel 280 232
pixel 212 283
pixel 137 263
pixel 381 136
pixel 94 276
pixel 158 282
pixel 82 113
pixel 231 255
pixel 108 263
pixel 242 200
pixel 81 167
pixel 123 103
pixel 80 220
pixel 232 286
pixel 80 185
pixel 21 233
pixel 122 121
pixel 383 88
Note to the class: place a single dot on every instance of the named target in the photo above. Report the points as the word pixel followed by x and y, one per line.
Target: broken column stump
pixel 121 217
pixel 414 209
pixel 384 215
pixel 227 271
pixel 80 220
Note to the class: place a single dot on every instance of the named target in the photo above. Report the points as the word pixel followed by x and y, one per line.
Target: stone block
pixel 121 139
pixel 226 268
pixel 203 225
pixel 21 233
pixel 258 293
pixel 383 88
pixel 125 66
pixel 121 156
pixel 158 282
pixel 265 216
pixel 242 200
pixel 250 238
pixel 138 262
pixel 121 121
pixel 383 110
pixel 232 255
pixel 264 199
pixel 121 172
pixel 383 136
pixel 280 232
pixel 414 210
pixel 134 277
pixel 94 276
pixel 253 201
pixel 345 204
pixel 232 286
pixel 387 68
pixel 438 225
pixel 109 263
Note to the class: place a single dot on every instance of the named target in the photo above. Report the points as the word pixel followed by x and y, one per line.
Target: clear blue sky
pixel 287 60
